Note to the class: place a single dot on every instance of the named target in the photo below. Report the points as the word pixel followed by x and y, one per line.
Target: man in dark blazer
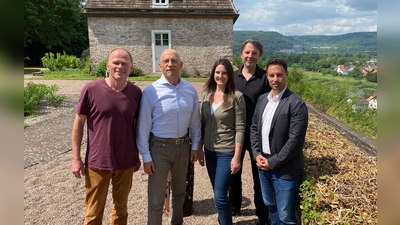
pixel 278 132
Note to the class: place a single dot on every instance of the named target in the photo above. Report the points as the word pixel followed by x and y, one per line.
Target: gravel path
pixel 54 196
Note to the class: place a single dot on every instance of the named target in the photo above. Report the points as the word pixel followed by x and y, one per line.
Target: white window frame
pixel 157 3
pixel 153 43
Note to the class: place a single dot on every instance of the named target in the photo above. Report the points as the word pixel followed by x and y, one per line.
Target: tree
pixel 296 79
pixel 355 73
pixel 372 77
pixel 307 61
pixel 53 25
pixel 323 63
pixel 237 60
pixel 341 61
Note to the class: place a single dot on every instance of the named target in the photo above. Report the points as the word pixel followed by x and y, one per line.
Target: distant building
pixel 373 101
pixel 368 69
pixel 363 104
pixel 295 50
pixel 344 70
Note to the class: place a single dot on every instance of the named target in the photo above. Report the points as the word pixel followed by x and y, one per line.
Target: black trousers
pixel 235 188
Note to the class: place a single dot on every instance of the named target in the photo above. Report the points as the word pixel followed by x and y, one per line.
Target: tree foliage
pixel 271 40
pixel 274 42
pixel 372 77
pixel 355 73
pixel 53 25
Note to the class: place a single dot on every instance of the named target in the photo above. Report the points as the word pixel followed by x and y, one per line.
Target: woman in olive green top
pixel 223 117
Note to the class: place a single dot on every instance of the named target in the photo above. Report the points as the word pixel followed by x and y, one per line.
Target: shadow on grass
pixel 29 71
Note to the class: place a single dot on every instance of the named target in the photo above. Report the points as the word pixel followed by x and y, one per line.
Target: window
pixel 160 3
pixel 162 39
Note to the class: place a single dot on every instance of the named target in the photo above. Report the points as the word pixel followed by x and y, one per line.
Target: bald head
pixel 168 52
pixel 170 64
pixel 120 49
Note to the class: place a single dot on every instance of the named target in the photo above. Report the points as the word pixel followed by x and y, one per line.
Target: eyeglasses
pixel 173 61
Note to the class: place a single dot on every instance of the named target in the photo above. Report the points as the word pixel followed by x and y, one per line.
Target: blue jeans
pixel 280 196
pixel 219 170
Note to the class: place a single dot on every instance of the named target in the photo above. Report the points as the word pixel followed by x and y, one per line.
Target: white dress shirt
pixel 168 111
pixel 267 116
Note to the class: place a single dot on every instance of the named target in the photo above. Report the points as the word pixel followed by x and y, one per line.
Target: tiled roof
pixel 175 6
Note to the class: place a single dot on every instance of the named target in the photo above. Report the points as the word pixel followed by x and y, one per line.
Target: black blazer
pixel 287 135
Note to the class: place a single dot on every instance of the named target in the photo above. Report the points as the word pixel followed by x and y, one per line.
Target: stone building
pixel 200 30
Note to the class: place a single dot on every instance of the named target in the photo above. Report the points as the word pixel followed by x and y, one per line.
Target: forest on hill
pixel 274 42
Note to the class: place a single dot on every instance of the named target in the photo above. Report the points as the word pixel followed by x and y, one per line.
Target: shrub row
pixel 62 62
pixel 35 93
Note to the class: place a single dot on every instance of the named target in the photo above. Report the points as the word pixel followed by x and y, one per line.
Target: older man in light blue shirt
pixel 169 108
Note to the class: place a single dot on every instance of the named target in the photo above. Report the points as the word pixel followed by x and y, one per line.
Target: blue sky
pixel 307 17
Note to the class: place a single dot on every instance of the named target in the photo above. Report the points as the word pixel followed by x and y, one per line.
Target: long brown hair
pixel 211 85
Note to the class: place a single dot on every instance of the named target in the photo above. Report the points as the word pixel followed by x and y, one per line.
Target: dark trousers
pixel 235 188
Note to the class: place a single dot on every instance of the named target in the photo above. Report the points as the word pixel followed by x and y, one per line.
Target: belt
pixel 176 141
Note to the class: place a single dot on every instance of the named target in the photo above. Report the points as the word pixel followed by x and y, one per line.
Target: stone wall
pixel 198 41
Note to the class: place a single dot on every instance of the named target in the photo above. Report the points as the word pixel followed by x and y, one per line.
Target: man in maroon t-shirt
pixel 111 107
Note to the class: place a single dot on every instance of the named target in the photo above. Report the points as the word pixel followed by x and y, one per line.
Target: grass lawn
pixel 76 74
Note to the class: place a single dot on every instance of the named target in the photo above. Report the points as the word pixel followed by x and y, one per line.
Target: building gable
pixel 175 8
pixel 200 30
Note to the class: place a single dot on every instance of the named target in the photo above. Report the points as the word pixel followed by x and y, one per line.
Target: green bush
pixel 311 214
pixel 372 77
pixel 60 62
pixel 101 68
pixel 35 93
pixel 184 73
pixel 86 67
pixel 262 64
pixel 85 54
pixel 196 72
pixel 85 62
pixel 237 61
pixel 296 79
pixel 137 72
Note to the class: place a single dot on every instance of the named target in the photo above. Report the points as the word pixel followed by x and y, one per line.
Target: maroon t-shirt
pixel 110 115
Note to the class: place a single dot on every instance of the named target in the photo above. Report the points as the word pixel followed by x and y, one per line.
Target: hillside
pixel 274 41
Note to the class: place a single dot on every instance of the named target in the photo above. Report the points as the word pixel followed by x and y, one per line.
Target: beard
pixel 249 64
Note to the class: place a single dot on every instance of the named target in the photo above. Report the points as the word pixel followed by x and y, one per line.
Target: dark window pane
pixel 158 42
pixel 165 42
pixel 165 37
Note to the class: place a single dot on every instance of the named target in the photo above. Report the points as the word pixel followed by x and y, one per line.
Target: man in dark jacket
pixel 278 133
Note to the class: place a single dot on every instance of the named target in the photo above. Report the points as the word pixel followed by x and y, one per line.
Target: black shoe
pixel 235 212
pixel 262 222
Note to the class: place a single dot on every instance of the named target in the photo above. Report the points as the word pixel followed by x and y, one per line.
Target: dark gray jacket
pixel 287 135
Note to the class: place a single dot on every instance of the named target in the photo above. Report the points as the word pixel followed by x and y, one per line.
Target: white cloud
pixel 373 28
pixel 298 17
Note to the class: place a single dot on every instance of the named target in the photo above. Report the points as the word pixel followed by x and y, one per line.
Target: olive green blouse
pixel 226 126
